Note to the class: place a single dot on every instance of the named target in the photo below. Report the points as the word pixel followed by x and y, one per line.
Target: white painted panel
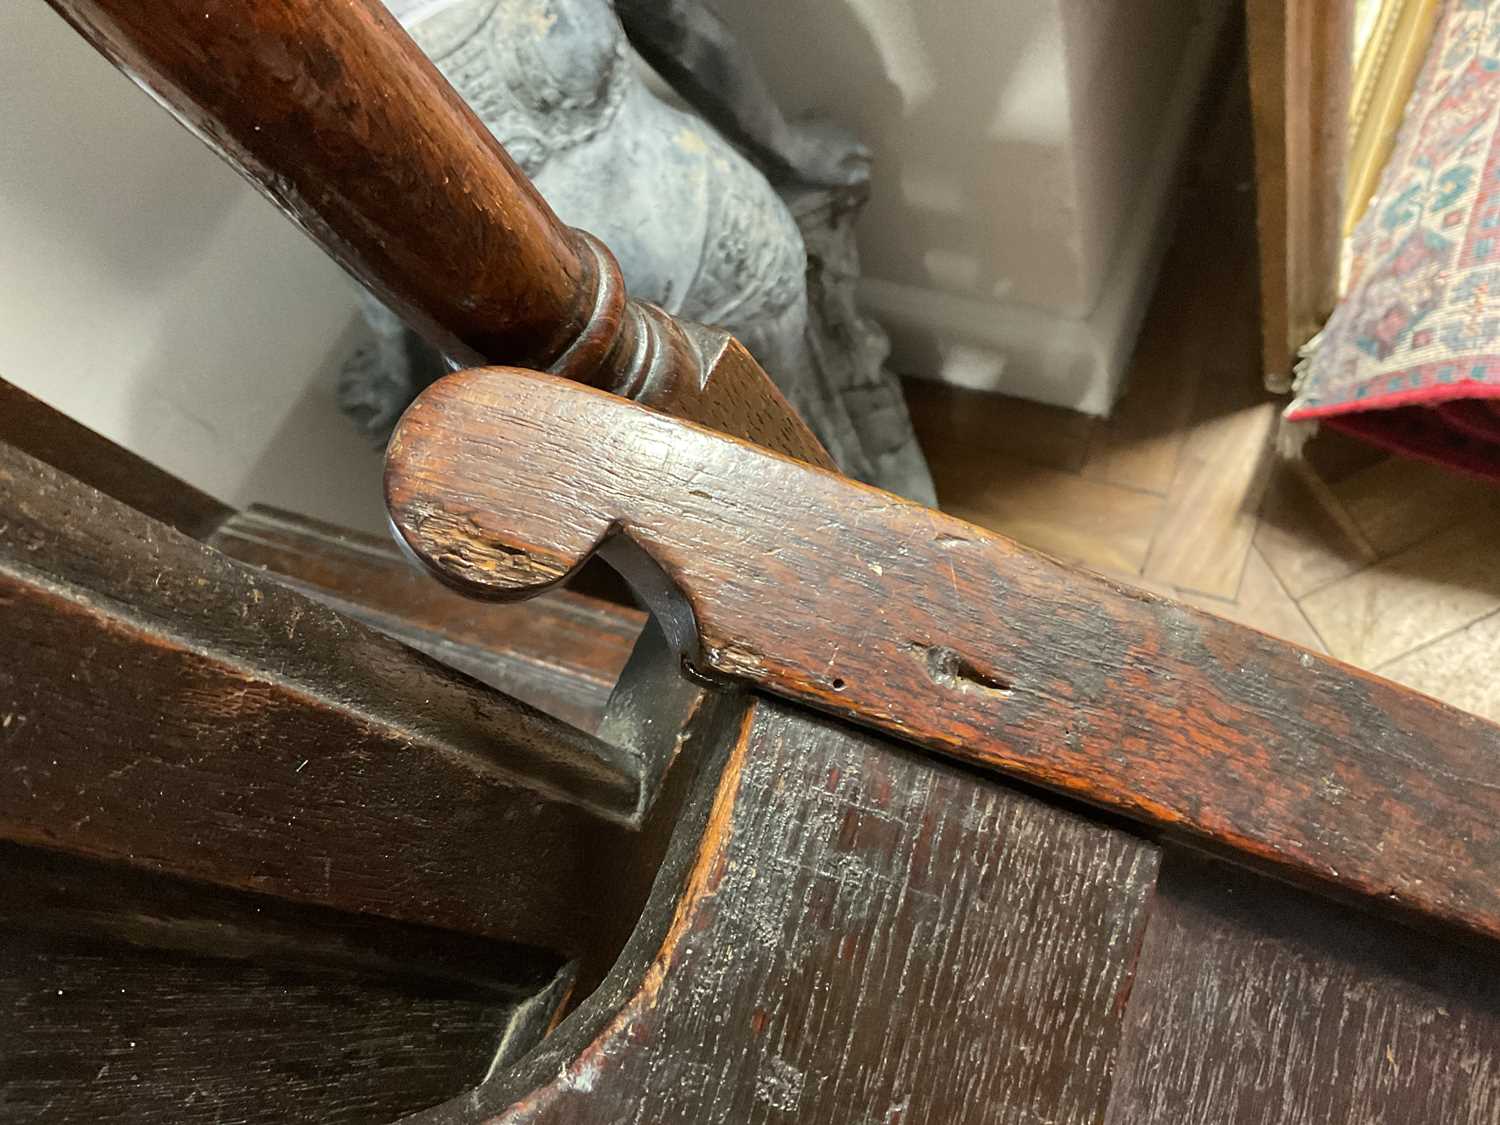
pixel 1018 166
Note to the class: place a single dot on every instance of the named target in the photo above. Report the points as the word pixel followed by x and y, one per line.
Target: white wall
pixel 146 291
pixel 1024 149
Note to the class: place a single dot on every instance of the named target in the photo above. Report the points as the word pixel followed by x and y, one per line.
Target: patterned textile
pixel 1412 353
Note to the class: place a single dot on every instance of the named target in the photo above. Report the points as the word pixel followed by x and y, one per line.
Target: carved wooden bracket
pixel 896 617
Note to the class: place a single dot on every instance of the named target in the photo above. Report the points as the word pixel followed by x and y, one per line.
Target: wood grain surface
pixel 334 114
pixel 863 934
pixel 162 706
pixel 562 653
pixel 53 892
pixel 195 1039
pixel 1301 66
pixel 133 997
pixel 851 600
pixel 1257 1004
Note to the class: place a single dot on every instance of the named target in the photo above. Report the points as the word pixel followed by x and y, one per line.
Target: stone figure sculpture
pixel 698 229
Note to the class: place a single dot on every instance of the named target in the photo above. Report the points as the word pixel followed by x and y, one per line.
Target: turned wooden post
pixel 339 118
pixel 335 114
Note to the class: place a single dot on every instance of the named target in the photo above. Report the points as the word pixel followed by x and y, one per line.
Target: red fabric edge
pixel 1366 426
pixel 1414 397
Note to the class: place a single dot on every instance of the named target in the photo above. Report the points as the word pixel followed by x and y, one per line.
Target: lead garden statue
pixel 697 227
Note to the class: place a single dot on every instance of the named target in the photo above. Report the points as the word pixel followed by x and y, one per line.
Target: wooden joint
pixel 791 579
pixel 627 347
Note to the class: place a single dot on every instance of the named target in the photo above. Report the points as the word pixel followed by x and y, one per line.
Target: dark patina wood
pixel 855 932
pixel 562 652
pixel 179 1039
pixel 169 713
pixel 164 707
pixel 856 602
pixel 132 997
pixel 53 892
pixel 336 115
pixel 1259 1004
pixel 248 811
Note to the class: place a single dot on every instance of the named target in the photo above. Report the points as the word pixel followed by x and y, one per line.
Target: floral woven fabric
pixel 1410 359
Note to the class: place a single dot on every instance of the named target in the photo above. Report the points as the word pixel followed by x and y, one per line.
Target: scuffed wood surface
pixel 867 935
pixel 897 617
pixel 1256 1004
pixel 102 1032
pixel 165 707
pixel 133 997
pixel 562 652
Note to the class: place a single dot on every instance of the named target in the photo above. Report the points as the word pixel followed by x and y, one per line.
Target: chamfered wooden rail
pixel 165 708
pixel 561 653
pixel 897 617
pixel 336 115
